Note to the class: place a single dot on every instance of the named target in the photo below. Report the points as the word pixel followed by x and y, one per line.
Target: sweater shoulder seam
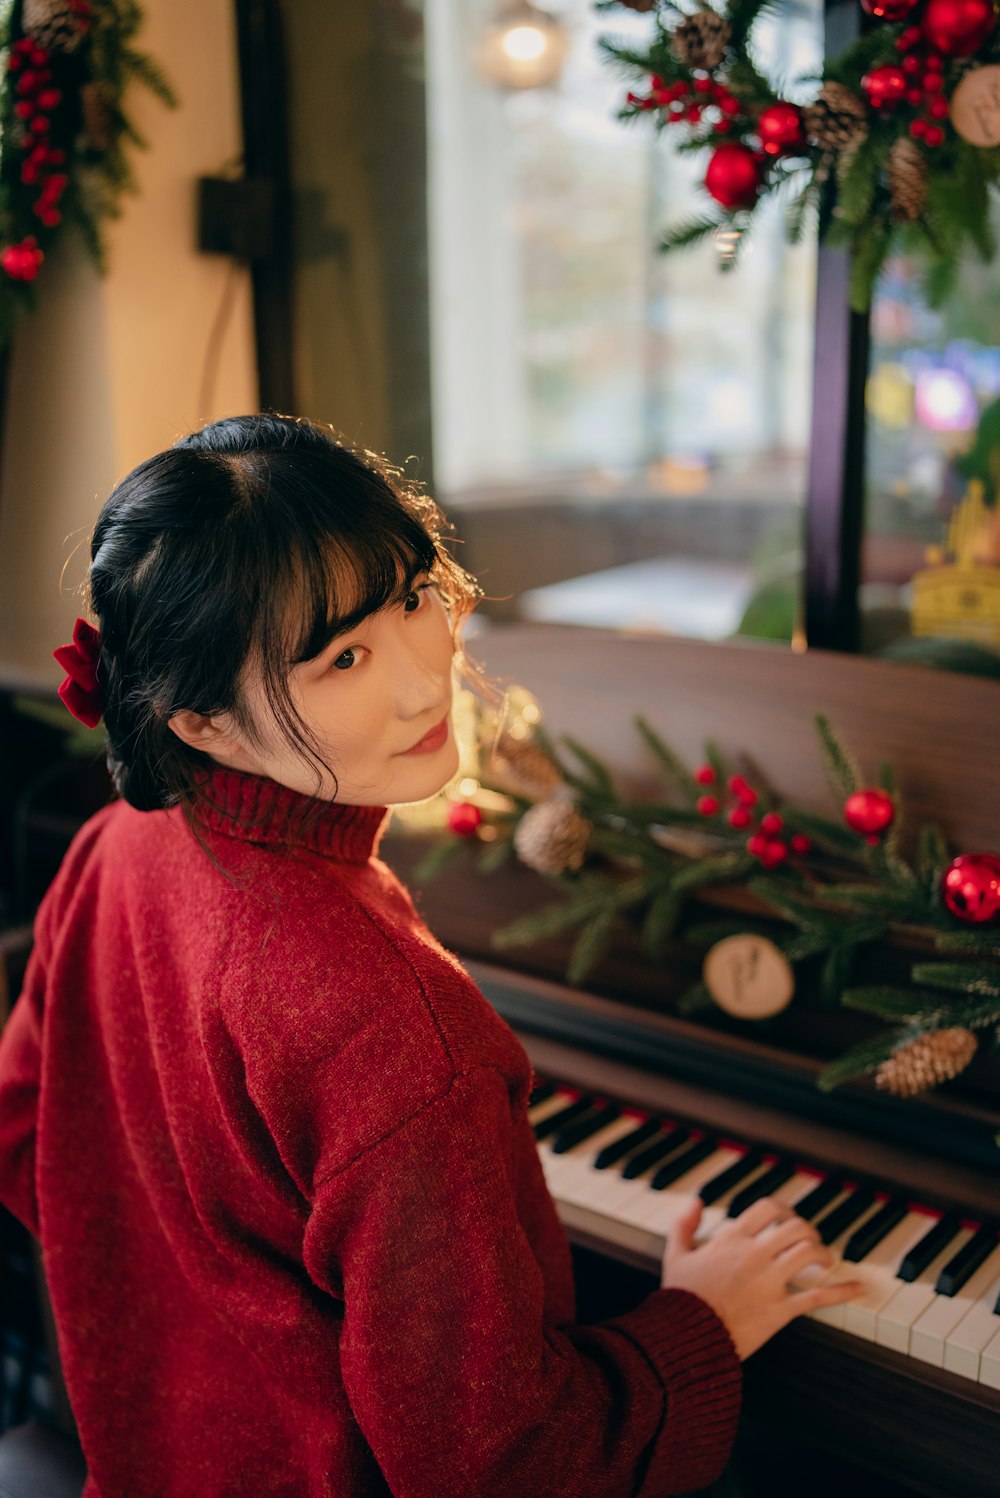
pixel 438 1097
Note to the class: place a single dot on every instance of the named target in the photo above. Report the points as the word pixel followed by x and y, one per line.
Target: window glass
pixel 931 556
pixel 644 419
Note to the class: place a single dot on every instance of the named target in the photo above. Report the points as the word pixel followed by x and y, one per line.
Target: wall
pixel 111 370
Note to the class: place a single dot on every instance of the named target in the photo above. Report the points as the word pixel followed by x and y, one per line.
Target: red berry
pixel 693 113
pixel 934 61
pixel 707 806
pixel 49 216
pixel 55 158
pixel 722 127
pixel 705 775
pixel 739 817
pixel 917 128
pixel 911 63
pixel 800 843
pixel 14 62
pixel 747 796
pixel 934 135
pixel 703 86
pixel 24 109
pixel 49 98
pixel 938 108
pixel 39 124
pixel 39 57
pixel 737 783
pixel 756 844
pixel 932 83
pixel 873 838
pixel 27 82
pixel 57 183
pixel 29 172
pixel 729 105
pixel 773 853
pixel 914 96
pixel 464 817
pixel 771 822
pixel 655 81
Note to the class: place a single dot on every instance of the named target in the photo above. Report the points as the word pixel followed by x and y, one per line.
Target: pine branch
pixel 661 921
pixel 673 767
pixel 961 977
pixel 842 770
pixel 862 1058
pixel 886 1002
pixel 600 776
pixel 591 945
pixel 690 233
pixel 694 1000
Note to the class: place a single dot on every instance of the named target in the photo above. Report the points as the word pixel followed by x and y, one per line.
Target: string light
pixel 521 46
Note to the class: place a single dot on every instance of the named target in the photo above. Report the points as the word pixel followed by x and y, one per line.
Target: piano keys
pixel 924 1291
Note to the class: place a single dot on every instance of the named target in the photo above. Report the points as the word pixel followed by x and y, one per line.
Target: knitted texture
pixel 293 1219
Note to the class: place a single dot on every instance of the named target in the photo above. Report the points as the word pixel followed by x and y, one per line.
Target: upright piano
pixel 636 1107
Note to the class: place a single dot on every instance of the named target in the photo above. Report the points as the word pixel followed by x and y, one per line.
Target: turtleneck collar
pixel 257 810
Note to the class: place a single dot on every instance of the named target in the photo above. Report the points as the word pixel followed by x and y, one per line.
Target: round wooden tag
pixel 748 977
pixel 975 106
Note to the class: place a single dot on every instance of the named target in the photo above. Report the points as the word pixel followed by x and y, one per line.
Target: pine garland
pixel 64 132
pixel 832 891
pixel 875 178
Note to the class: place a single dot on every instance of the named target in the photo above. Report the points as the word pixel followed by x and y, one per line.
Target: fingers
pixel 763 1214
pixel 802 1254
pixel 686 1224
pixel 785 1235
pixel 802 1301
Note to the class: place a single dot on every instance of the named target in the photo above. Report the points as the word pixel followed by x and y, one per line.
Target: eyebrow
pixel 351 621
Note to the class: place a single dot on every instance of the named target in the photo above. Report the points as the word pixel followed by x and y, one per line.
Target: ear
pixel 213 736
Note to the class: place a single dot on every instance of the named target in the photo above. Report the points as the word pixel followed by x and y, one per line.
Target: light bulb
pixel 521 46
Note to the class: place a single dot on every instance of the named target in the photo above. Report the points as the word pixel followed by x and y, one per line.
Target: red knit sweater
pixel 296 1233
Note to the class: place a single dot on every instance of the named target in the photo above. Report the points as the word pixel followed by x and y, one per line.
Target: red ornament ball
pixel 890 10
pixel 971 887
pixel 734 175
pixel 463 818
pixel 870 812
pixel 780 129
pixel 958 27
pixel 885 85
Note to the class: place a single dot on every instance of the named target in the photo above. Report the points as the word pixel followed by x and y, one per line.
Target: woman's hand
pixel 744 1270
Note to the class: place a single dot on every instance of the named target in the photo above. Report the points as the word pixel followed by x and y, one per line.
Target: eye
pixel 347 659
pixel 414 600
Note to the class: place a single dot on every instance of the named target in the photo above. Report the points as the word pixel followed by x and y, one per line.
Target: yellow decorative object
pixel 958 594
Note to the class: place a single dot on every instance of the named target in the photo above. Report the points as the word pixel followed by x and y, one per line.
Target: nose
pixel 422 681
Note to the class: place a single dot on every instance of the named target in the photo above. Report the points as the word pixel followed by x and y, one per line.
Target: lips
pixel 435 739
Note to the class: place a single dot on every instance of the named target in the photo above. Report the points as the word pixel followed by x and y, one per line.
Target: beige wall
pixel 109 370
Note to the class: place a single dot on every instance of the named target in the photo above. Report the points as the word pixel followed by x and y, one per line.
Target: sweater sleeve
pixel 20 1080
pixel 456 1376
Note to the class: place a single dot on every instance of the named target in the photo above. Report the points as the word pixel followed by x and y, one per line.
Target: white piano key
pixel 649 1208
pixel 840 1271
pixel 897 1316
pixel 571 1176
pixel 989 1363
pixel 929 1334
pixel 559 1099
pixel 965 1343
pixel 878 1272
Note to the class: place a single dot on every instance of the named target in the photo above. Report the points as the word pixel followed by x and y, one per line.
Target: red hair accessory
pixel 80 691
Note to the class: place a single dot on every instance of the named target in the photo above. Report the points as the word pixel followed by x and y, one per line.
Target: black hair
pixel 256 539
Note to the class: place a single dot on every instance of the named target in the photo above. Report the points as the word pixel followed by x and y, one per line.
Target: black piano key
pixel 540 1093
pixel 776 1176
pixel 576 1133
pixel 839 1219
pixel 730 1177
pixel 963 1265
pixel 681 1163
pixel 819 1197
pixel 930 1245
pixel 664 1144
pixel 555 1121
pixel 612 1153
pixel 870 1234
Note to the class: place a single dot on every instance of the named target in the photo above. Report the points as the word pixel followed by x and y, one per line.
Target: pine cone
pixel 521 767
pixel 921 1064
pixel 700 41
pixel 552 837
pixel 56 25
pixel 98 118
pixel 836 119
pixel 907 180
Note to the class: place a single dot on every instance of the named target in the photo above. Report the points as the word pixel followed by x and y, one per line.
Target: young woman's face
pixel 378 700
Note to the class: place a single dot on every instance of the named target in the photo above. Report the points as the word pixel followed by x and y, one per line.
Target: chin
pixel 422 779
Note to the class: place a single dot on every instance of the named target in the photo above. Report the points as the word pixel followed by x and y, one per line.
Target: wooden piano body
pixel 914 1426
